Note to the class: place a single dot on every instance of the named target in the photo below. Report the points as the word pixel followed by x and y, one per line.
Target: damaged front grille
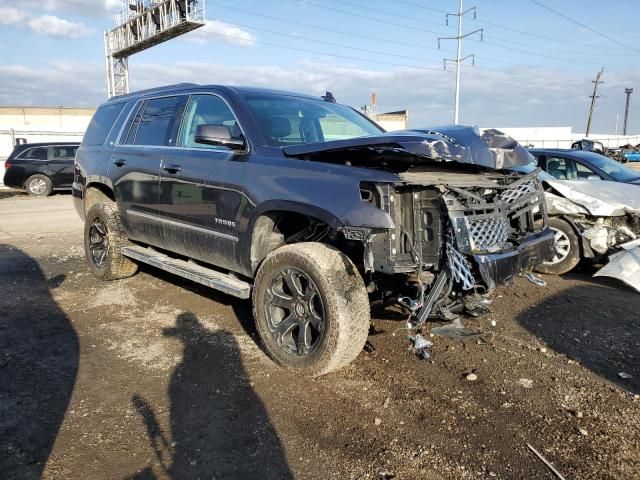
pixel 493 219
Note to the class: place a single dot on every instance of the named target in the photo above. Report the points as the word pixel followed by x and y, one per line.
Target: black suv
pixel 41 168
pixel 307 207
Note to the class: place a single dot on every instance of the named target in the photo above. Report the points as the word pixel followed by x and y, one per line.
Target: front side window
pixel 583 172
pixel 39 153
pixel 289 120
pixel 206 110
pixel 560 168
pixel 616 170
pixel 156 122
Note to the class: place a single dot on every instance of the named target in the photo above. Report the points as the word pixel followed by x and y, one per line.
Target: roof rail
pixel 155 89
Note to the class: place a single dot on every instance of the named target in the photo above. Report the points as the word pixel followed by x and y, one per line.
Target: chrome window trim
pixel 157 218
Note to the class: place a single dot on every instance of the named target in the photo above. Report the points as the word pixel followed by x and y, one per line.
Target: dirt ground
pixel 154 377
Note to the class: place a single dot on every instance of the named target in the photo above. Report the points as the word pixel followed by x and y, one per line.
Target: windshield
pixel 288 120
pixel 618 172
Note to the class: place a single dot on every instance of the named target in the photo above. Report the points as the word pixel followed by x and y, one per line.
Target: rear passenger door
pixel 201 187
pixel 61 165
pixel 135 165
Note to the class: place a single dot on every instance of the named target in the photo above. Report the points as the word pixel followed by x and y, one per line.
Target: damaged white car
pixel 593 219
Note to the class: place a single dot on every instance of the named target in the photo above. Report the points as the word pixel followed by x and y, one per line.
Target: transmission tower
pixel 458 60
pixel 142 24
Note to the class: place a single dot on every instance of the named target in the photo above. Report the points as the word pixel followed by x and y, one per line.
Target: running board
pixel 206 276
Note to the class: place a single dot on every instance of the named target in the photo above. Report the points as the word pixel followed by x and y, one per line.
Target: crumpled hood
pixel 599 197
pixel 493 149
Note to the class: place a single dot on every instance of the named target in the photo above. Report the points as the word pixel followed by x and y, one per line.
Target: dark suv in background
pixel 307 207
pixel 41 168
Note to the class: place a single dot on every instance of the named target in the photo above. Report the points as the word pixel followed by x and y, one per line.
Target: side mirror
pixel 218 135
pixel 593 177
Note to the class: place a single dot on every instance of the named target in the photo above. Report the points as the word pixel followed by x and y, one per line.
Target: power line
pixel 585 26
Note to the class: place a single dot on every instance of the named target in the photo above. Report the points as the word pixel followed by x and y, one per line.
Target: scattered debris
pixel 546 462
pixel 493 323
pixel 386 403
pixel 472 377
pixel 543 349
pixel 454 330
pixel 526 383
pixel 377 421
pixel 583 432
pixel 625 375
pixel 421 346
pixel 535 280
pixel 370 348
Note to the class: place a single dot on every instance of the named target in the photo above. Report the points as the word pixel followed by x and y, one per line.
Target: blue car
pixel 564 164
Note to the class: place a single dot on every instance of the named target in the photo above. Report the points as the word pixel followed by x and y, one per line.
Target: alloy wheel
pixel 561 247
pixel 295 312
pixel 37 186
pixel 98 243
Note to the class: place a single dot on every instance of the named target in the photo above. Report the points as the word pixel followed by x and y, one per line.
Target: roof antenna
pixel 328 97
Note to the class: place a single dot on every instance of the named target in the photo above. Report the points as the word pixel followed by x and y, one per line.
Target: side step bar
pixel 197 273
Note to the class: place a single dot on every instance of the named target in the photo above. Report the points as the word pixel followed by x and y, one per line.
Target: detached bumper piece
pixel 499 268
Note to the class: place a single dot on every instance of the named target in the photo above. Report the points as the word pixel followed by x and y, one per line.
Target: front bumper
pixel 499 268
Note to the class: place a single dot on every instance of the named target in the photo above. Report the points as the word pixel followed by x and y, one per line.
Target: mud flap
pixel 624 266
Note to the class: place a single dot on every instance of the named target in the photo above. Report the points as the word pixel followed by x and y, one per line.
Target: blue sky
pixel 534 68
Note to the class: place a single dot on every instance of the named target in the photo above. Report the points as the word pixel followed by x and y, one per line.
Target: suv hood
pixel 404 148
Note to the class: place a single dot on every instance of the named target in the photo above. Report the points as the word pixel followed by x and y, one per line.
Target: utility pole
pixel 458 61
pixel 628 92
pixel 596 84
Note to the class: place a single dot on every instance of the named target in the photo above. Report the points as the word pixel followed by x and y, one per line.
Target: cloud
pixel 48 25
pixel 221 31
pixel 501 99
pixel 11 15
pixel 53 26
pixel 88 8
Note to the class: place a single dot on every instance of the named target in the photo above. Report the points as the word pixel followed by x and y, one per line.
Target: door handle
pixel 172 168
pixel 120 163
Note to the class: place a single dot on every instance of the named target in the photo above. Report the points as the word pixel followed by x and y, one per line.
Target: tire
pixel 333 308
pixel 39 185
pixel 102 227
pixel 564 260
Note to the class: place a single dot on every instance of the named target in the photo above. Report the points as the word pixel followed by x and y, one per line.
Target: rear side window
pixel 39 153
pixel 157 122
pixel 65 151
pixel 101 124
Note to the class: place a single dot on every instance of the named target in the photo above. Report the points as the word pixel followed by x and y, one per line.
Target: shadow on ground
pixel 38 365
pixel 219 426
pixel 598 325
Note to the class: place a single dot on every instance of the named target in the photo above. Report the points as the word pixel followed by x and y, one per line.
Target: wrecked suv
pixel 308 208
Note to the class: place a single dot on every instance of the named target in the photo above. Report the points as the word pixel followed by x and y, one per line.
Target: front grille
pixel 488 234
pixel 515 211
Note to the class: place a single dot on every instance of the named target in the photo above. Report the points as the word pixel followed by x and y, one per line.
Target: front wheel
pixel 566 251
pixel 311 308
pixel 103 239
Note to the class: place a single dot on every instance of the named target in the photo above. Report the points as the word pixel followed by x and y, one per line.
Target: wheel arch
pixel 96 191
pixel 262 235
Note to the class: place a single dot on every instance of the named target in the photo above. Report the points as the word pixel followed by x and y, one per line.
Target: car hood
pixel 598 198
pixel 399 150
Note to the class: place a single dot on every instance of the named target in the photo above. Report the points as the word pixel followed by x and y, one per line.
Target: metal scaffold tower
pixel 141 25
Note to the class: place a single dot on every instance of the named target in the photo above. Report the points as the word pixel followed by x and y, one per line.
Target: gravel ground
pixel 156 377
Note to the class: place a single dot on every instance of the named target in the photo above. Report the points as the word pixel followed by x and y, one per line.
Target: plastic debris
pixel 472 377
pixel 454 330
pixel 421 346
pixel 526 383
pixel 624 375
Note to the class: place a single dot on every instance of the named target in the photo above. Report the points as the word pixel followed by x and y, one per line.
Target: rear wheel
pixel 104 238
pixel 566 251
pixel 39 186
pixel 311 308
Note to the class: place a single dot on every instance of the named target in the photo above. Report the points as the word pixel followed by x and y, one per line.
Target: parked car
pixel 41 168
pixel 308 207
pixel 594 220
pixel 582 165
